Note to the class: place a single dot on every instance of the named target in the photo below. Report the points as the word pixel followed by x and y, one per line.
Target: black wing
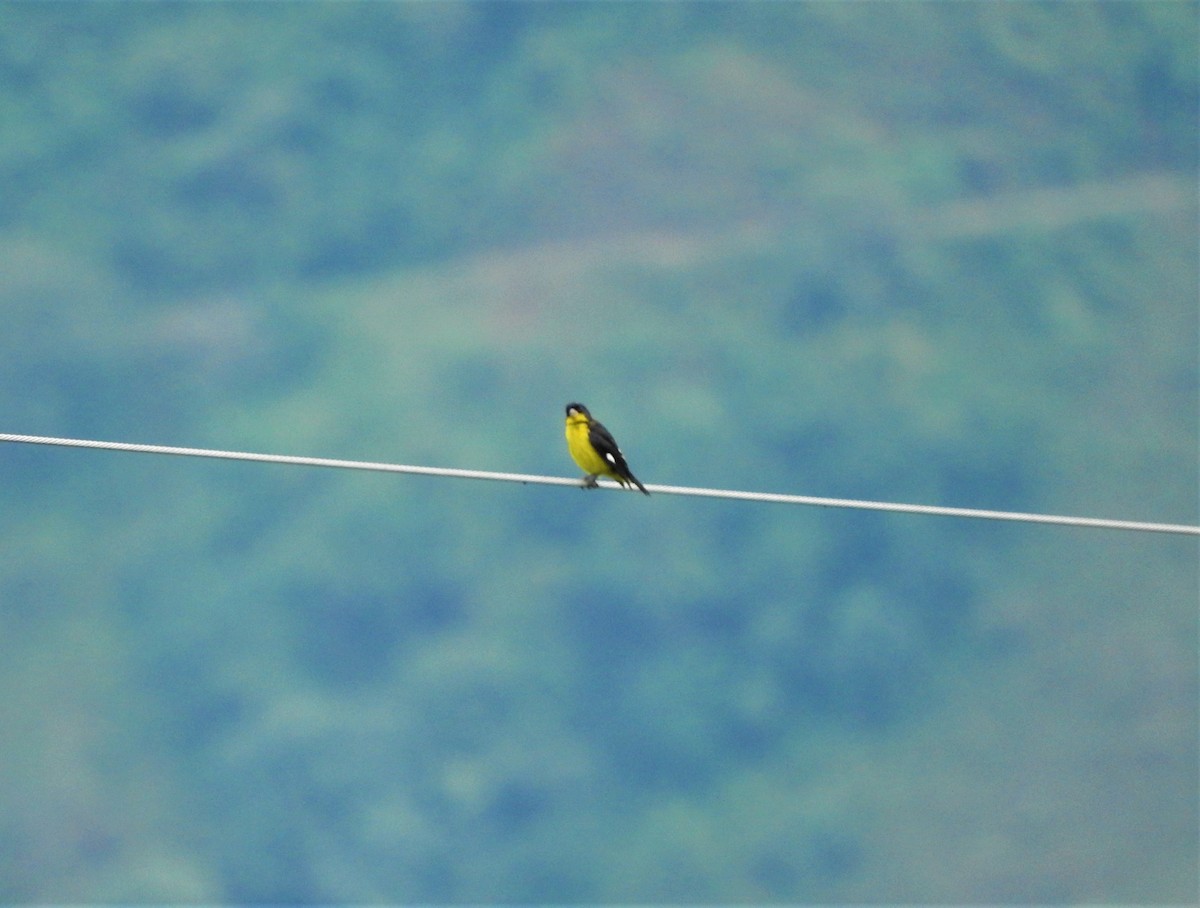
pixel 606 447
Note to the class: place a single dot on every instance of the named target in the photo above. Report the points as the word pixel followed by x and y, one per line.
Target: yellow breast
pixel 581 449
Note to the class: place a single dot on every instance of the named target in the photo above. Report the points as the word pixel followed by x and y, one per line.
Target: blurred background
pixel 935 253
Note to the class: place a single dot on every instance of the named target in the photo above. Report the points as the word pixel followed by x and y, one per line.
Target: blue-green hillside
pixel 937 253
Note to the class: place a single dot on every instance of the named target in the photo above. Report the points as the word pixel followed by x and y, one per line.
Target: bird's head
pixel 574 410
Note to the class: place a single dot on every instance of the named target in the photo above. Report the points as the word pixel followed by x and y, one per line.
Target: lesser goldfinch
pixel 595 450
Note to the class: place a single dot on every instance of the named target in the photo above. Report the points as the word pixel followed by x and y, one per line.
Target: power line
pixel 529 479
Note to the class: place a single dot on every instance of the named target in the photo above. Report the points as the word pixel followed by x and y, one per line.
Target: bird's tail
pixel 637 483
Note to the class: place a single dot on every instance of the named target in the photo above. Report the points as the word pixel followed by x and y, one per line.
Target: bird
pixel 595 450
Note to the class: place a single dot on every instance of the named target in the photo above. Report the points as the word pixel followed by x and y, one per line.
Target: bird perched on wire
pixel 595 450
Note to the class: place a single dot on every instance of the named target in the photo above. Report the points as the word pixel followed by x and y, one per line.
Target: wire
pixel 525 478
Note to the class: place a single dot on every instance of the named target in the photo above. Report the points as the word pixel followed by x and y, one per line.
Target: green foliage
pixel 938 253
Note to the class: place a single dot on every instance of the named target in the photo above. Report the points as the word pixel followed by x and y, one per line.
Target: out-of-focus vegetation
pixel 941 253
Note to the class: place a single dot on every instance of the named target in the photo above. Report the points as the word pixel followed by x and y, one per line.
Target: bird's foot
pixel 590 483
